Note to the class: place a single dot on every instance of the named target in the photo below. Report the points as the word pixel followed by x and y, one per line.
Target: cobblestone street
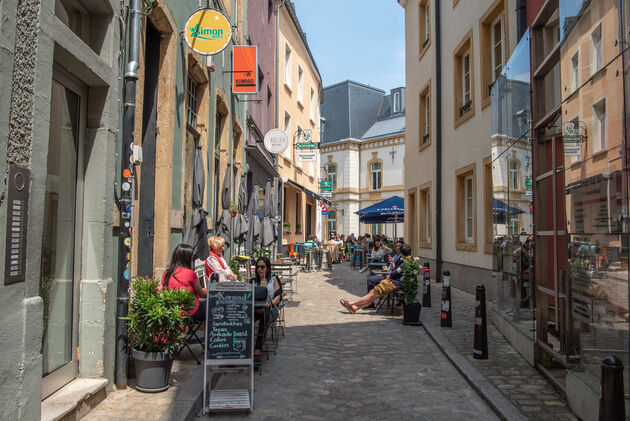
pixel 333 365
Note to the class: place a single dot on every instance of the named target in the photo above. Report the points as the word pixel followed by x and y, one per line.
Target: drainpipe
pixel 521 19
pixel 125 205
pixel 438 144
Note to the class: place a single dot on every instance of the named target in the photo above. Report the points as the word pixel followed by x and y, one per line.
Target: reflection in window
pixel 376 176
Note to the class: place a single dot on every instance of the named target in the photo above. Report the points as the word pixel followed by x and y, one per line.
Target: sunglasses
pixel 261 267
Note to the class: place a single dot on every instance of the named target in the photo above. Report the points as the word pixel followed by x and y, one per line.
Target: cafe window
pixel 376 176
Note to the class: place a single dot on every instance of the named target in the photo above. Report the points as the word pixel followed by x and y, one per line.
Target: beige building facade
pixel 473 53
pixel 299 97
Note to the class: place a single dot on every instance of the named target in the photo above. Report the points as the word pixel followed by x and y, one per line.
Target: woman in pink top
pixel 181 276
pixel 215 261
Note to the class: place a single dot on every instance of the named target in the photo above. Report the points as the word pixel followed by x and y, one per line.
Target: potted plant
pixel 411 305
pixel 298 228
pixel 287 227
pixel 233 209
pixel 157 328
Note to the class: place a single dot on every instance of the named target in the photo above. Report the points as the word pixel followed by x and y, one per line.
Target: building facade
pixel 448 189
pixel 59 124
pixel 362 153
pixel 299 97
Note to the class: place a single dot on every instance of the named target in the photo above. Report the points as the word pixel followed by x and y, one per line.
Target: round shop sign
pixel 208 31
pixel 276 141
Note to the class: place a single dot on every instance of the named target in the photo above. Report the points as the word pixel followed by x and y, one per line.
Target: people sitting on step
pixel 266 316
pixel 180 275
pixel 215 261
pixel 389 284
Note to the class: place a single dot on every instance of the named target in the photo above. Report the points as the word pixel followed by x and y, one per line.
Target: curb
pixel 504 409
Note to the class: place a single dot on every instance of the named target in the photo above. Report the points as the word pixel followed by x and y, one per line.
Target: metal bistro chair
pixel 193 336
pixel 293 253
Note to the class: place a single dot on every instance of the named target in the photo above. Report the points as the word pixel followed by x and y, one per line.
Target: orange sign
pixel 245 69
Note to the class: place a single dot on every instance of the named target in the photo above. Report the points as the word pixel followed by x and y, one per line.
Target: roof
pixel 385 128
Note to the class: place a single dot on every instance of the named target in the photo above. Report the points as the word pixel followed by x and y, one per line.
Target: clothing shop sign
pixel 230 321
pixel 208 31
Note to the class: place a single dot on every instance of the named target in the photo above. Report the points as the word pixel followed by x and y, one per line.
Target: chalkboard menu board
pixel 230 321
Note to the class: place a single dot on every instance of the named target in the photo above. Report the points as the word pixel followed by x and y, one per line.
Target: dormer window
pixel 396 106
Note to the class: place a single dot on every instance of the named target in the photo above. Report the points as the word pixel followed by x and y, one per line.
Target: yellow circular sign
pixel 208 31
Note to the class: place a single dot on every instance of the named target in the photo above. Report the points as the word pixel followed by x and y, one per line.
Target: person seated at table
pixel 180 275
pixel 393 265
pixel 378 252
pixel 389 284
pixel 396 257
pixel 215 261
pixel 265 316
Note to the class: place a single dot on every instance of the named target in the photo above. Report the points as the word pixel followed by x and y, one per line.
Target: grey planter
pixel 153 369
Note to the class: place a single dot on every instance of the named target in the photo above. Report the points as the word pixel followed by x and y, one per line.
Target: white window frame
pixel 378 174
pixel 427 22
pixel 513 169
pixel 497 63
pixel 466 75
pixel 396 101
pixel 427 115
pixel 332 176
pixel 312 111
pixel 599 125
pixel 300 86
pixel 288 60
pixel 469 211
pixel 287 130
pixel 427 215
pixel 597 57
pixel 575 71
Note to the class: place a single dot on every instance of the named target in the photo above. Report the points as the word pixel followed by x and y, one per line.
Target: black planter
pixel 411 314
pixel 153 369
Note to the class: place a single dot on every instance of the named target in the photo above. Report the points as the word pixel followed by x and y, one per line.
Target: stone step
pixel 75 400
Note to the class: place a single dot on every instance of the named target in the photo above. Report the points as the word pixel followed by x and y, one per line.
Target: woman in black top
pixel 266 316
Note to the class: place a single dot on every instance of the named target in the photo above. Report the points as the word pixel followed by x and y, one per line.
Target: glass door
pixel 61 258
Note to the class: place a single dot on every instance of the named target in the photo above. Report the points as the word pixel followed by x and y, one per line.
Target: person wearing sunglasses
pixel 266 316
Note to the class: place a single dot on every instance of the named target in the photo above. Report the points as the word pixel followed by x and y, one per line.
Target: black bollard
pixel 426 285
pixel 611 403
pixel 446 300
pixel 480 348
pixel 525 289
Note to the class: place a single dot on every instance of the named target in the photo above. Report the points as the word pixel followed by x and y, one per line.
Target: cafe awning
pixel 308 192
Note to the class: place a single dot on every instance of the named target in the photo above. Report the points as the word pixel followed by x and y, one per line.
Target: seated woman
pixel 378 252
pixel 266 316
pixel 383 288
pixel 215 261
pixel 181 276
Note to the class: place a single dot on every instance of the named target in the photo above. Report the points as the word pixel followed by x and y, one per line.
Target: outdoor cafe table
pixel 333 249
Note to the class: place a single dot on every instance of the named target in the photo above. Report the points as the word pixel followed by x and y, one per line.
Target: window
pixel 376 176
pixel 192 105
pixel 331 222
pixel 515 224
pixel 287 65
pixel 466 230
pixel 331 173
pixel 313 105
pixel 376 229
pixel 468 206
pixel 463 81
pixel 299 134
pixel 492 46
pixel 300 87
pixel 487 206
pixel 287 130
pixel 514 170
pixel 599 126
pixel 597 58
pixel 575 66
pixel 411 222
pixel 497 47
pixel 425 216
pixel 425 116
pixel 424 21
pixel 396 105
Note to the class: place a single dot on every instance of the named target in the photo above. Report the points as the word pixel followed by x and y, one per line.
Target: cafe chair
pixel 293 253
pixel 193 336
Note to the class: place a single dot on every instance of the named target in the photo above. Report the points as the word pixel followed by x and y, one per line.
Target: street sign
pixel 307 146
pixel 325 212
pixel 208 31
pixel 276 141
pixel 572 150
pixel 307 156
pixel 324 207
pixel 326 194
pixel 325 185
pixel 528 183
pixel 572 139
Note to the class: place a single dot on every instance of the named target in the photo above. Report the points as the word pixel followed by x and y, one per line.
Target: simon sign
pixel 208 31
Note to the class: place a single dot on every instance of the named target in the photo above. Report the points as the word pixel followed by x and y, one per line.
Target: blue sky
pixel 361 40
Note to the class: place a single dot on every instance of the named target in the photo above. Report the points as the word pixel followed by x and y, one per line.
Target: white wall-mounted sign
pixel 307 156
pixel 572 150
pixel 276 141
